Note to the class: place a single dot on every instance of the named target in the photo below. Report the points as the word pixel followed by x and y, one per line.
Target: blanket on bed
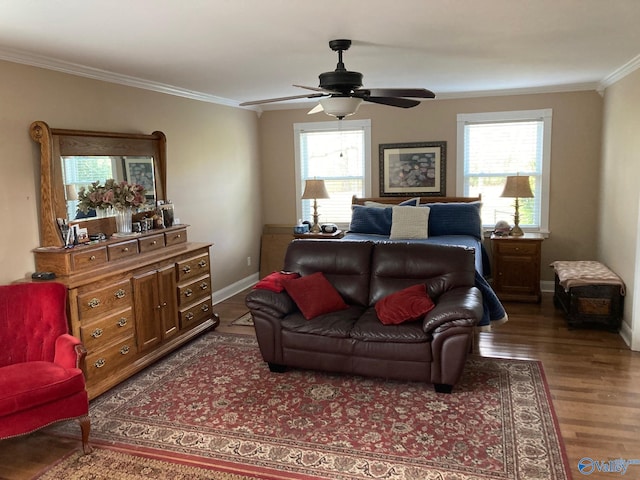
pixel 493 311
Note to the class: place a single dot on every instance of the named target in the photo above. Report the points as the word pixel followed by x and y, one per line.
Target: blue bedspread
pixel 493 311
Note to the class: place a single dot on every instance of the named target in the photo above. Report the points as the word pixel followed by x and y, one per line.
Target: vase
pixel 123 220
pixel 104 212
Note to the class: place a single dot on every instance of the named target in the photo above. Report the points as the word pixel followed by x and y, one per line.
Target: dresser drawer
pixel 121 250
pixel 95 304
pixel 150 243
pixel 101 332
pixel 87 259
pixel 196 314
pixel 518 248
pixel 103 363
pixel 193 268
pixel 194 291
pixel 175 237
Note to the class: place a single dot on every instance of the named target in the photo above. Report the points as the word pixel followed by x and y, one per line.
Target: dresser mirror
pixel 66 154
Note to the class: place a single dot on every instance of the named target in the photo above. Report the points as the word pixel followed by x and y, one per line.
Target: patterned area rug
pixel 110 464
pixel 216 399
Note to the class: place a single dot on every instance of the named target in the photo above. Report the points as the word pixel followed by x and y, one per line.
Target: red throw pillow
pixel 314 295
pixel 409 304
pixel 273 281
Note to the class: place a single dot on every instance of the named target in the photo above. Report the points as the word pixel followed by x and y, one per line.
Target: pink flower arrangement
pixel 118 195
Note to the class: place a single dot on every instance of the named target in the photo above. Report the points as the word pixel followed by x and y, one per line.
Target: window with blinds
pixel 492 146
pixel 338 153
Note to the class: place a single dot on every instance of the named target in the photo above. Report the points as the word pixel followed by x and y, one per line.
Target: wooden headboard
pixel 396 200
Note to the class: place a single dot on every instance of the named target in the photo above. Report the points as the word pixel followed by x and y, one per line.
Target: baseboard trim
pixel 547 286
pixel 230 290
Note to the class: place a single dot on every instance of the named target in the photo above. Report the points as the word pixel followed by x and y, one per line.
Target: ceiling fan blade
pixel 399 92
pixel 282 99
pixel 393 101
pixel 317 89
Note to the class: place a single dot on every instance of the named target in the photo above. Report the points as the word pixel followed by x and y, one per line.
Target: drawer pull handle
pixel 97 333
pixel 124 350
pixel 100 363
pixel 125 249
pixel 189 316
pixel 93 303
pixel 188 292
pixel 205 308
pixel 92 258
pixel 154 242
pixel 202 264
pixel 120 293
pixel 186 269
pixel 178 236
pixel 204 286
pixel 122 322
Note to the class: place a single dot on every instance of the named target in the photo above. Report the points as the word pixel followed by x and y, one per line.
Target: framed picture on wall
pixel 140 170
pixel 413 169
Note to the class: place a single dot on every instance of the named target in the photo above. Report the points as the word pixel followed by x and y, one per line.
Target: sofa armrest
pixel 274 304
pixel 69 351
pixel 459 307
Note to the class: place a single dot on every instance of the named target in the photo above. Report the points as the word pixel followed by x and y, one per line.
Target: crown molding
pixel 618 74
pixel 40 61
pixel 571 87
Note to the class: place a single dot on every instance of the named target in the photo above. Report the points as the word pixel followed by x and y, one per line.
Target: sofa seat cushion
pixel 27 385
pixel 368 328
pixel 335 324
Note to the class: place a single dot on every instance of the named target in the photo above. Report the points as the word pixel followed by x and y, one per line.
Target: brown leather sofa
pixel 433 349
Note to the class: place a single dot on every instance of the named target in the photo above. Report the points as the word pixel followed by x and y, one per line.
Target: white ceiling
pixel 231 51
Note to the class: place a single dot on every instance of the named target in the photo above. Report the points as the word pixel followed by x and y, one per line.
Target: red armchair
pixel 40 377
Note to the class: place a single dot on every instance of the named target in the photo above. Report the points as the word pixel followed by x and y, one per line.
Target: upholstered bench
pixel 590 294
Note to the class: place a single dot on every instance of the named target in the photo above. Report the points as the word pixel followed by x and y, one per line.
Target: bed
pixel 446 221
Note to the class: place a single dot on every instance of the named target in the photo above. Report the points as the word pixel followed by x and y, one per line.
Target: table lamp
pixel 314 189
pixel 517 187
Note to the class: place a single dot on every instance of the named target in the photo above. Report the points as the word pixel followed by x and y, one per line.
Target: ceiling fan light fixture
pixel 340 107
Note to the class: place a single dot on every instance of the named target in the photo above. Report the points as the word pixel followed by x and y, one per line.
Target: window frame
pixel 335 126
pixel 546 116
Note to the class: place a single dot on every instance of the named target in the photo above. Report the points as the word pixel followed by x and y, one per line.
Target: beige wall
pixel 619 244
pixel 575 152
pixel 213 161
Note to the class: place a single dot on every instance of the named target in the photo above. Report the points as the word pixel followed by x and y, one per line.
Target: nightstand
pixel 516 267
pixel 326 236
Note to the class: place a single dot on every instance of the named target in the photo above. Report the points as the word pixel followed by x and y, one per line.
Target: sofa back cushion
pixel 399 265
pixel 347 265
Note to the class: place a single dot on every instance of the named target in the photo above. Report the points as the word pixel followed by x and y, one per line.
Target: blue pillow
pixel 455 219
pixel 374 220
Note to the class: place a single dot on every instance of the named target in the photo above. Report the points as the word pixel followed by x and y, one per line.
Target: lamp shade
pixel 340 107
pixel 517 187
pixel 71 193
pixel 314 189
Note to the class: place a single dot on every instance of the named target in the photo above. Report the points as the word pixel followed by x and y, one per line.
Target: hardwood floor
pixel 593 377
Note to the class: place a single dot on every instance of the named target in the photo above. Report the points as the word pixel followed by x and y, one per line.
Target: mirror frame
pixel 57 143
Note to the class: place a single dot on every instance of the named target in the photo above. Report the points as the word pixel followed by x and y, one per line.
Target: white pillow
pixel 409 222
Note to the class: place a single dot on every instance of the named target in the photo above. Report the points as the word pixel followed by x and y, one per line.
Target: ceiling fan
pixel 341 91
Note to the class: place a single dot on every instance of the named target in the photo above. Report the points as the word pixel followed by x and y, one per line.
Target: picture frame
pixel 417 168
pixel 140 170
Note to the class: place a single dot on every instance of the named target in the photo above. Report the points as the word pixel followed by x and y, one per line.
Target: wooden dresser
pixel 133 299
